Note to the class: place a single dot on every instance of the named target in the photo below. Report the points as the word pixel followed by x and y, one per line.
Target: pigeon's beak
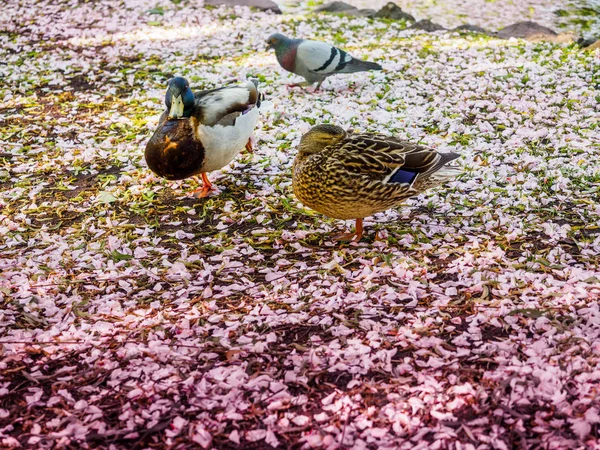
pixel 269 46
pixel 176 111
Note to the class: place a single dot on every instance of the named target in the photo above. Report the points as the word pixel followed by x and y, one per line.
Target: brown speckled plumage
pixel 347 176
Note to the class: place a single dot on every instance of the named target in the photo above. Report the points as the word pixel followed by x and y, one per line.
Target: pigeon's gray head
pixel 278 42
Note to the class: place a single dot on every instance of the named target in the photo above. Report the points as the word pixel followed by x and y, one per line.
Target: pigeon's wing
pixel 322 59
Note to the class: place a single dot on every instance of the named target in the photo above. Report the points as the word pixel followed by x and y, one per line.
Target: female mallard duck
pixel 352 176
pixel 202 132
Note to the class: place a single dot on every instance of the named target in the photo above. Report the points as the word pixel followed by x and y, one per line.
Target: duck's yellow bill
pixel 176 111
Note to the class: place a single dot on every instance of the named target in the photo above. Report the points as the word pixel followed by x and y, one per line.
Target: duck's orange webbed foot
pixel 344 237
pixel 356 236
pixel 250 144
pixel 206 188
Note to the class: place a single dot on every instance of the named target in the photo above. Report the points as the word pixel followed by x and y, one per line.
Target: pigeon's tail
pixel 357 65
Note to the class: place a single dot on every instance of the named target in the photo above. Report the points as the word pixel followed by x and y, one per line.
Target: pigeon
pixel 315 60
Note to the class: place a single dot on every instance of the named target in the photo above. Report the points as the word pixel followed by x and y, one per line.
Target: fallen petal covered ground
pixel 135 316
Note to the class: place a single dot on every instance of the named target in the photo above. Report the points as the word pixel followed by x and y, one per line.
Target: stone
pixel 426 25
pixel 534 32
pixel 345 8
pixel 472 28
pixel 586 41
pixel 593 46
pixel 394 12
pixel 337 7
pixel 531 31
pixel 359 12
pixel 263 5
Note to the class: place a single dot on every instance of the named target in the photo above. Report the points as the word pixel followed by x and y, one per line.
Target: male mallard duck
pixel 202 132
pixel 315 60
pixel 352 176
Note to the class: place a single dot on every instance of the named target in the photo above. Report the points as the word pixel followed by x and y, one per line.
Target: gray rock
pixel 263 5
pixel 526 30
pixel 472 28
pixel 362 13
pixel 426 25
pixel 586 41
pixel 593 46
pixel 394 12
pixel 337 7
pixel 344 8
pixel 534 32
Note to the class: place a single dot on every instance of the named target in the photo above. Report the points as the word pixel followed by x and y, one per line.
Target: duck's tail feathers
pixel 440 173
pixel 440 166
pixel 256 96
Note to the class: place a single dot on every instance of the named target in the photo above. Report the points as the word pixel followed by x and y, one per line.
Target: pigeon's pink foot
pixel 293 85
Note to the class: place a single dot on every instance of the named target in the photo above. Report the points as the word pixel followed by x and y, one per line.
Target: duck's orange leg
pixel 356 236
pixel 250 145
pixel 205 189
